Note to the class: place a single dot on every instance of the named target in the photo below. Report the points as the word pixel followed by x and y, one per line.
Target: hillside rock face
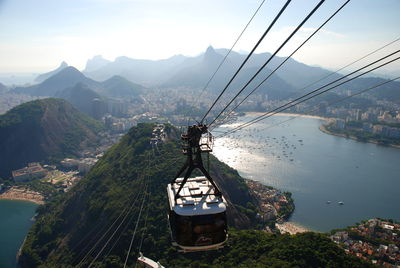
pixel 95 63
pixel 46 129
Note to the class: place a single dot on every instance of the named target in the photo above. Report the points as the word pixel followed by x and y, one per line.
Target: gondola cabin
pixel 197 216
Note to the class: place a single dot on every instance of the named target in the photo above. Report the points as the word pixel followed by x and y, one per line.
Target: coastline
pixel 324 130
pixel 22 194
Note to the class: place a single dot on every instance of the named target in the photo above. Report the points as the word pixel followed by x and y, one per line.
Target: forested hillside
pixel 72 228
pixel 46 129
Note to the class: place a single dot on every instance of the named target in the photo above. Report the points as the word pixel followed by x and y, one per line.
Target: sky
pixel 37 35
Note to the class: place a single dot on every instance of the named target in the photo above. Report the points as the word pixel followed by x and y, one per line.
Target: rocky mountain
pixel 43 130
pixel 146 72
pixel 76 224
pixel 40 78
pixel 96 63
pixel 196 76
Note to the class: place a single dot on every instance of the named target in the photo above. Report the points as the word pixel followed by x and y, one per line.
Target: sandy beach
pixel 291 228
pixel 292 115
pixel 16 193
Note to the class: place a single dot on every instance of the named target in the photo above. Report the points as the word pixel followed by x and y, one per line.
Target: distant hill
pixel 40 78
pixel 146 72
pixel 43 130
pixel 182 71
pixel 198 70
pixel 387 92
pixel 81 97
pixel 67 77
pixel 69 226
pixel 197 75
pixel 119 87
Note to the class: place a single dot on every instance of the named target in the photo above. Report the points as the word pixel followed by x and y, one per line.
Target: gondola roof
pixel 197 197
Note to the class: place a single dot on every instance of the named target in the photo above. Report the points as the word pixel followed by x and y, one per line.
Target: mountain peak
pixel 42 77
pixel 211 56
pixel 210 50
pixel 68 72
pixel 63 65
pixel 67 77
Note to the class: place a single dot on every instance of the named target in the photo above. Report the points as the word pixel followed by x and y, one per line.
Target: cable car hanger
pixel 193 145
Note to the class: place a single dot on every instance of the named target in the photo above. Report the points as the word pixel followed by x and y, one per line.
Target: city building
pixel 86 164
pixel 32 171
pixel 340 123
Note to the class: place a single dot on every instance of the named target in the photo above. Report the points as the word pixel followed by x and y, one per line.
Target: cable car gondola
pixel 197 209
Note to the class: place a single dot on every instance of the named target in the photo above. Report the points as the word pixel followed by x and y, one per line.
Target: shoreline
pixel 22 194
pixel 291 115
pixel 291 228
pixel 323 129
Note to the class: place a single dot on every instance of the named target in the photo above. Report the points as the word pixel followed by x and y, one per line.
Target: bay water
pixel 15 221
pixel 319 169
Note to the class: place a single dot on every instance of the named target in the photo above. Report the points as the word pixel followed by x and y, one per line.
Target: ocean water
pixel 15 220
pixel 319 169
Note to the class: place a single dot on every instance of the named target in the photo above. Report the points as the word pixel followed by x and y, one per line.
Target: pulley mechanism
pixel 195 141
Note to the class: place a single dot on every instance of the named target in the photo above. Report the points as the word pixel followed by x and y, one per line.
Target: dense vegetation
pixel 70 225
pixel 43 130
pixel 249 248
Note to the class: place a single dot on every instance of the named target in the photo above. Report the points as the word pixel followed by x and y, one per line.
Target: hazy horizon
pixel 38 37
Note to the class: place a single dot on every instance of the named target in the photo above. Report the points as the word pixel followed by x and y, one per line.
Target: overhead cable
pixel 323 78
pixel 104 234
pixel 112 235
pixel 335 102
pixel 272 56
pixel 317 93
pixel 227 54
pixel 137 223
pixel 247 58
pixel 280 65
